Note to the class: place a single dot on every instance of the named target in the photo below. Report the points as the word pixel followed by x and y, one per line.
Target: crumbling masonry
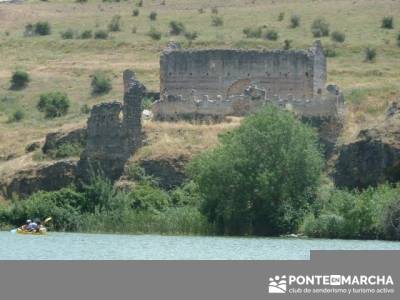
pixel 111 140
pixel 212 84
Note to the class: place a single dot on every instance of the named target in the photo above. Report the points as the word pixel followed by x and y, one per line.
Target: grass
pixel 66 65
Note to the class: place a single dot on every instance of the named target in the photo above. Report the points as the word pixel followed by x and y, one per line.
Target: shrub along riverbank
pixel 264 178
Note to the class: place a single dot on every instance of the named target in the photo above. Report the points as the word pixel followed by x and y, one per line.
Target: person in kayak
pixel 33 226
pixel 26 225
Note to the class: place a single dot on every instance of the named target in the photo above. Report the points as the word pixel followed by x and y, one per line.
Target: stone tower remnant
pixel 112 138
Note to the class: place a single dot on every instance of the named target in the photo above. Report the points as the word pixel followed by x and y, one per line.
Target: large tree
pixel 262 176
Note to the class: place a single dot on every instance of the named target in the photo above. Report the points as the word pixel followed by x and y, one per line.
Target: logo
pixel 277 285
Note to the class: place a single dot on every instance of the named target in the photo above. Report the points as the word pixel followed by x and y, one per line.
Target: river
pixel 78 246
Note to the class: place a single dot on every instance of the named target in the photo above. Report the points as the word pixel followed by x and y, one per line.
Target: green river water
pixel 78 246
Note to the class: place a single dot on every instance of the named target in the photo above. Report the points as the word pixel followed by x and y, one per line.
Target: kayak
pixel 42 231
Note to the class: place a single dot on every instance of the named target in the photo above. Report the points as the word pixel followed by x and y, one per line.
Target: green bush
pixel 329 52
pixel 87 34
pixel 398 39
pixel 81 1
pixel 101 83
pixel 153 16
pixel 261 177
pixel 67 34
pixel 66 150
pixel 39 28
pixel 115 24
pixel 320 27
pixel 85 109
pixel 19 80
pixel 253 32
pixel 135 12
pixel 154 34
pixel 325 226
pixel 294 21
pixel 217 21
pixel 390 220
pixel 54 104
pixel 176 28
pixel 139 3
pixel 17 116
pixel 367 214
pixel 338 36
pixel 271 35
pixel 281 16
pixel 287 44
pixel 148 197
pixel 190 36
pixel 214 10
pixel 62 206
pixel 369 54
pixel 101 34
pixel 186 195
pixel 387 22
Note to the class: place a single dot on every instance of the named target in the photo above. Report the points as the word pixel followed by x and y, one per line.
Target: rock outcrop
pixel 374 157
pixel 55 140
pixel 42 177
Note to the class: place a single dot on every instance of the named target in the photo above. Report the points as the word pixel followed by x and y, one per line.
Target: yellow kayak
pixel 41 232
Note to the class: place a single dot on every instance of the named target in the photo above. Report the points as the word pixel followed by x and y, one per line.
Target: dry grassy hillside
pixel 66 65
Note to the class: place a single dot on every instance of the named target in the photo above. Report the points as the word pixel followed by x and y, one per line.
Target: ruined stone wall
pixel 113 132
pixel 195 73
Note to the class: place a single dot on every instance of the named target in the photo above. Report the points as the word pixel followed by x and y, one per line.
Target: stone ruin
pixel 208 85
pixel 113 132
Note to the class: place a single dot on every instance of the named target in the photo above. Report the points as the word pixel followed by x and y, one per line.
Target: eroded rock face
pixel 169 173
pixel 44 177
pixel 56 139
pixel 374 158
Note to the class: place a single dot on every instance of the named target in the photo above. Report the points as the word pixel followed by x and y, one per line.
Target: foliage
pixel 101 83
pixel 369 54
pixel 398 39
pixel 329 52
pixel 139 3
pixel 154 34
pixel 176 28
pixel 62 206
pixel 17 116
pixel 86 34
pixel 369 214
pixel 85 109
pixel 214 10
pixel 320 27
pixel 261 177
pixel 19 80
pixel 253 32
pixel 387 22
pixel 187 195
pixel 338 36
pixel 281 16
pixel 287 44
pixel 66 150
pixel 153 16
pixel 54 104
pixel 191 36
pixel 271 35
pixel 217 21
pixel 67 34
pixel 39 28
pixel 101 34
pixel 115 23
pixel 147 197
pixel 135 12
pixel 294 21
